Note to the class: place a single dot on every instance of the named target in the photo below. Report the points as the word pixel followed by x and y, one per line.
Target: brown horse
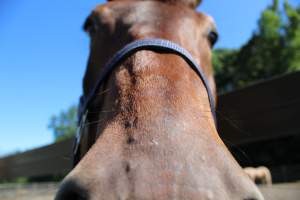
pixel 260 175
pixel 150 133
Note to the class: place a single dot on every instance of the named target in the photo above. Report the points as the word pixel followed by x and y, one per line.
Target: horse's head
pixel 150 132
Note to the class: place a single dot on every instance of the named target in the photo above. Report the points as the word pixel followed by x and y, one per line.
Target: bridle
pixel 145 44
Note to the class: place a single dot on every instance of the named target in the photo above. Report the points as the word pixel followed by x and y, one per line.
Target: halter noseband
pixel 145 44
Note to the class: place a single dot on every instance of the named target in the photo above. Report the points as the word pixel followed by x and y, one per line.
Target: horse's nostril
pixel 71 190
pixel 73 196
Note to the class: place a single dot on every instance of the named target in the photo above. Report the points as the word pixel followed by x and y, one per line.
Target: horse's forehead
pixel 148 12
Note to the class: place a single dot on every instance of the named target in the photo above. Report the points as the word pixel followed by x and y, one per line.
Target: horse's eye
pixel 213 37
pixel 90 26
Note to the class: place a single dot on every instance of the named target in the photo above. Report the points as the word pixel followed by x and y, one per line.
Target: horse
pixel 147 123
pixel 261 175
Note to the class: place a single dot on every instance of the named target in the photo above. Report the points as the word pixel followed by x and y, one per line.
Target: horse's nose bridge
pixel 72 189
pixel 109 183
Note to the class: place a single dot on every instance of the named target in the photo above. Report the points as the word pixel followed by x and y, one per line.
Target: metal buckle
pixel 79 132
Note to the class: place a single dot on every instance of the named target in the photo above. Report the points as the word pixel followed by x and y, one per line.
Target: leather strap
pixel 145 44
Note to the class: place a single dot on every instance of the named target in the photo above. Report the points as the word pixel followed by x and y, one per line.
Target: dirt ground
pixel 46 191
pixel 40 191
pixel 286 191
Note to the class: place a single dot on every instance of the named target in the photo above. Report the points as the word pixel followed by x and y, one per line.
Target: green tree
pixel 292 39
pixel 260 57
pixel 224 67
pixel 273 49
pixel 64 124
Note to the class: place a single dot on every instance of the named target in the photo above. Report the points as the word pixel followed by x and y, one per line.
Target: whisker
pixel 233 123
pixel 66 157
pixel 103 92
pixel 101 111
pixel 93 122
pixel 268 108
pixel 240 150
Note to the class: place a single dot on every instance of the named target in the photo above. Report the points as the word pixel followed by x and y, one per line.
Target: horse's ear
pixel 190 3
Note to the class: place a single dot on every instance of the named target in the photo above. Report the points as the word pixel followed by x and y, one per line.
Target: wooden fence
pixel 51 160
pixel 267 111
pixel 264 111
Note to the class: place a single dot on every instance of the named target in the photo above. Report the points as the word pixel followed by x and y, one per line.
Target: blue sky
pixel 43 54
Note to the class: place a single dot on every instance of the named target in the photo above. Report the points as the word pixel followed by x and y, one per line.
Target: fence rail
pixel 51 160
pixel 264 111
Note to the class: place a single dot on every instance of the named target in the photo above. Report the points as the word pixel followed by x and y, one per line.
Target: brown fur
pixel 190 3
pixel 154 135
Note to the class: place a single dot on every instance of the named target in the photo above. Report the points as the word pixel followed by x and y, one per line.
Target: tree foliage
pixel 64 124
pixel 223 62
pixel 292 40
pixel 273 49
